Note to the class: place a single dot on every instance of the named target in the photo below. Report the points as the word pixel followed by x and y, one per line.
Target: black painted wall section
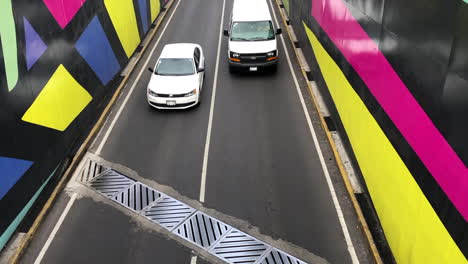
pixel 48 148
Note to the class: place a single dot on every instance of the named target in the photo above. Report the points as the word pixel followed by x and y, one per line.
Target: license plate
pixel 170 103
pixel 253 69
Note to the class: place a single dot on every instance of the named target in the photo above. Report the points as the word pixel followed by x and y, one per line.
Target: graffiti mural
pixel 59 63
pixel 396 75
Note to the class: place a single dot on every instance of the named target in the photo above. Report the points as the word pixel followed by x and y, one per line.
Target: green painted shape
pixel 286 5
pixel 466 1
pixel 8 38
pixel 12 227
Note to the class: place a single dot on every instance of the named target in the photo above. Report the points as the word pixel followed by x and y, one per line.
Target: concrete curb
pixel 341 167
pixel 86 144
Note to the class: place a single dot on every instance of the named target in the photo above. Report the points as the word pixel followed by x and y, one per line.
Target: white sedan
pixel 177 79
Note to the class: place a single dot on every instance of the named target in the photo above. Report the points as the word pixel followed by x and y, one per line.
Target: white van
pixel 252 36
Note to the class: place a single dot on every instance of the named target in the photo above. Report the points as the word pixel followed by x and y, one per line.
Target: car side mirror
pixel 151 69
pixel 278 31
pixel 201 69
pixel 226 32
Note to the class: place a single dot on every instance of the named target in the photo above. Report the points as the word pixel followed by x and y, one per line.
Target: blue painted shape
pixel 35 47
pixel 95 48
pixel 11 171
pixel 144 14
pixel 12 227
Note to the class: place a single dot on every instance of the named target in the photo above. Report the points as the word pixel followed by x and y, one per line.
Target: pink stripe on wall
pixel 396 100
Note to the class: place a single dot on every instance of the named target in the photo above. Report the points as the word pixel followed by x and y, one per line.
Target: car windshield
pixel 252 31
pixel 175 67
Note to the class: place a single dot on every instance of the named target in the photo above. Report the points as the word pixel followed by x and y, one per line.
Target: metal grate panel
pixel 90 170
pixel 202 230
pixel 137 197
pixel 208 233
pixel 110 183
pixel 277 257
pixel 168 212
pixel 238 247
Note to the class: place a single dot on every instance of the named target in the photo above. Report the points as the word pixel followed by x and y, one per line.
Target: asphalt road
pixel 263 165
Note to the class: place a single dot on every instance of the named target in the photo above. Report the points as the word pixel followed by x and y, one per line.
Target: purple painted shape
pixel 63 10
pixel 35 47
pixel 395 98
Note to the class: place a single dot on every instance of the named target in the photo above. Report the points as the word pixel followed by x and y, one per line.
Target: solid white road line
pixel 193 260
pixel 119 112
pixel 349 242
pixel 55 230
pixel 210 119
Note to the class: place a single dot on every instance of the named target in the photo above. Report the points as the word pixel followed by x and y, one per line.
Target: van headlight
pixel 271 53
pixel 234 55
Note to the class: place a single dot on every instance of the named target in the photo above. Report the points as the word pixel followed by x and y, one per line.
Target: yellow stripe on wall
pixel 155 9
pixel 413 230
pixel 122 15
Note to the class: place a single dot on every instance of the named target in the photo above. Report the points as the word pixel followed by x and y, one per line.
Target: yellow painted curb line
pixel 83 148
pixel 344 174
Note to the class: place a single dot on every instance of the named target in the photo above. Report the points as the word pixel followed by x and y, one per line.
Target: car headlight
pixel 193 92
pixel 152 93
pixel 234 55
pixel 271 53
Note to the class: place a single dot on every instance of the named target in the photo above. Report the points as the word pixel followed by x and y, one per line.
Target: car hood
pixel 173 84
pixel 252 46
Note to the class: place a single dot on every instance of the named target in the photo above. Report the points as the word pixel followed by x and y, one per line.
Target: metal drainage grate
pixel 277 257
pixel 137 196
pixel 216 237
pixel 168 212
pixel 202 230
pixel 238 247
pixel 110 183
pixel 90 170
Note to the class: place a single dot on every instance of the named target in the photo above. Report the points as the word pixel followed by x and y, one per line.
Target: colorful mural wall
pixel 396 75
pixel 59 63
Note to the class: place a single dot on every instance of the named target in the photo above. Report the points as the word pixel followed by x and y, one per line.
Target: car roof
pixel 178 50
pixel 250 10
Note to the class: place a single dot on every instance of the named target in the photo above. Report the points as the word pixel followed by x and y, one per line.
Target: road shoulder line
pixel 339 161
pixel 344 227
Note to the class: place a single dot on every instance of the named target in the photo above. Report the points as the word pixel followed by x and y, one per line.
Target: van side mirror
pixel 278 31
pixel 201 69
pixel 226 32
pixel 151 69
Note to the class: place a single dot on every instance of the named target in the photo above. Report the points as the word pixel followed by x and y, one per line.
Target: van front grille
pixel 253 58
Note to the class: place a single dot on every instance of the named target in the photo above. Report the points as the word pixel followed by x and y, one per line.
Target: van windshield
pixel 252 31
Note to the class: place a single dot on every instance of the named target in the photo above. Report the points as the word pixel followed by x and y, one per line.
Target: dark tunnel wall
pixel 59 63
pixel 395 74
